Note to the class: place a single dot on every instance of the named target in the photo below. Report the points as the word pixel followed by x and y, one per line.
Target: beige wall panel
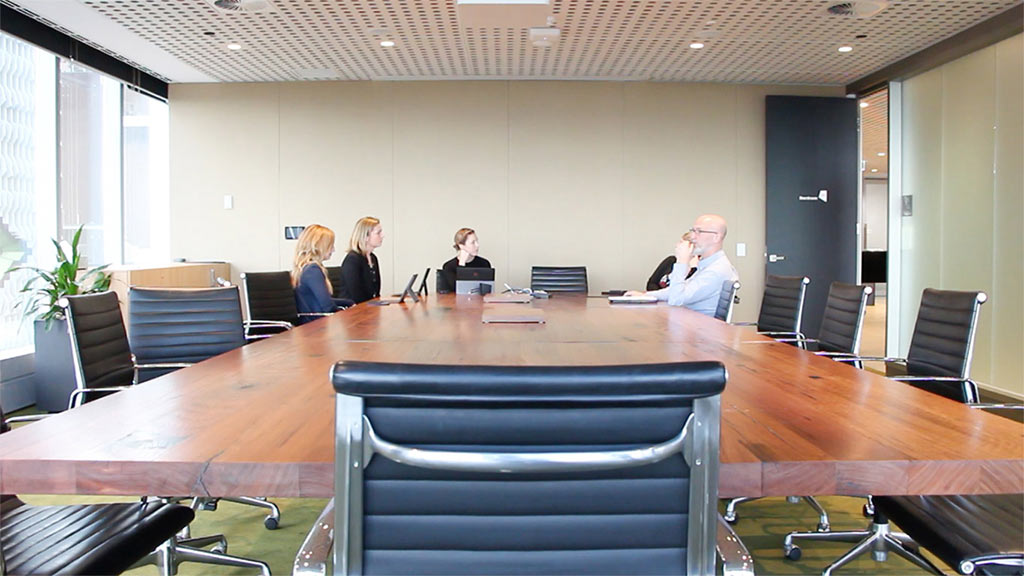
pixel 336 162
pixel 224 141
pixel 679 156
pixel 565 179
pixel 451 171
pixel 1008 254
pixel 968 116
pixel 921 236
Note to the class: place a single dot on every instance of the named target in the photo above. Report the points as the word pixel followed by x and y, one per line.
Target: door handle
pixel 776 257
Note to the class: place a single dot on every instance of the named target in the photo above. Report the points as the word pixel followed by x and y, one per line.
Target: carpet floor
pixel 762 526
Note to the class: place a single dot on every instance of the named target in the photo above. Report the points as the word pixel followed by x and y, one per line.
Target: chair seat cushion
pixel 86 539
pixel 956 528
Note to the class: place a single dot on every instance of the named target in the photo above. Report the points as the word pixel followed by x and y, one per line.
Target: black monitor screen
pixel 873 265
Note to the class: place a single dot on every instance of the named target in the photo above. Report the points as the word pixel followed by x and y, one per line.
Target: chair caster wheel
pixel 793 553
pixel 731 519
pixel 210 505
pixel 868 511
pixel 271 523
pixel 822 527
pixel 218 549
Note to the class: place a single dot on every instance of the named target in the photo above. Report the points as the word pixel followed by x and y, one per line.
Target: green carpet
pixel 762 526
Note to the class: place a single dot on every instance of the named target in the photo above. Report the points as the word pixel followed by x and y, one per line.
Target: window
pixel 28 205
pixel 77 148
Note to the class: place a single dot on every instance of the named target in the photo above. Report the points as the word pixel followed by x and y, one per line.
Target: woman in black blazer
pixel 360 272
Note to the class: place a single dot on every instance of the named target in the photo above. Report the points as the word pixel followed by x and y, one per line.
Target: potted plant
pixel 54 368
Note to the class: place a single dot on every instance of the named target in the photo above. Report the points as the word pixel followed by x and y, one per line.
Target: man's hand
pixel 635 293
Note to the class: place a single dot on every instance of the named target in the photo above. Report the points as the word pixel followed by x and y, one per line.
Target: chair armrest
pixel 969 565
pixel 736 559
pixel 796 335
pixel 23 419
pixel 83 391
pixel 980 405
pixel 793 339
pixel 744 323
pixel 315 314
pixel 928 379
pixel 315 551
pixel 870 359
pixel 267 324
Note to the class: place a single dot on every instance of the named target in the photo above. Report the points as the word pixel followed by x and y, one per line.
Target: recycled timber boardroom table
pixel 260 420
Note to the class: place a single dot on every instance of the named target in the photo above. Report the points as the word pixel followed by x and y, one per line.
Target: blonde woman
pixel 312 288
pixel 467 255
pixel 360 272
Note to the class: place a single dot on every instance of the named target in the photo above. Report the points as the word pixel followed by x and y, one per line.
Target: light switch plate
pixel 229 201
pixel 741 249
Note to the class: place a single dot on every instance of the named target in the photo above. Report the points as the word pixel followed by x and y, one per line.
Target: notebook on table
pixel 633 299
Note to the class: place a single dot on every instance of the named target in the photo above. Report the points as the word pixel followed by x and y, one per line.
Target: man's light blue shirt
pixel 699 292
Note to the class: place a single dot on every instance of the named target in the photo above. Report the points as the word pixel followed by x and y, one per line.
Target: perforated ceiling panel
pixel 874 123
pixel 775 41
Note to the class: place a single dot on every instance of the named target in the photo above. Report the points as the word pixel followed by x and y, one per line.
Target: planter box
pixel 54 367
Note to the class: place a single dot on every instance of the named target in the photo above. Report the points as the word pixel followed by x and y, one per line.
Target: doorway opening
pixel 874 123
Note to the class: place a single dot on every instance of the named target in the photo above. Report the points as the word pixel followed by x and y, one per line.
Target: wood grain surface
pixel 260 420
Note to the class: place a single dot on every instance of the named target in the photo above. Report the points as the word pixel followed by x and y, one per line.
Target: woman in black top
pixel 360 272
pixel 467 248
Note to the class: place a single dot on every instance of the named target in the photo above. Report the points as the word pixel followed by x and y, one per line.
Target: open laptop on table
pixel 474 280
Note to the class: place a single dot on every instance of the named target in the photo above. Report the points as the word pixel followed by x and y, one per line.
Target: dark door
pixel 811 194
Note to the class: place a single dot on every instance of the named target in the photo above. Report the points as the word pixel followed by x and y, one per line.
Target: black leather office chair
pixel 181 326
pixel 334 277
pixel 841 326
pixel 527 470
pixel 177 327
pixel 939 361
pixel 727 300
pixel 567 279
pixel 269 303
pixel 977 534
pixel 441 285
pixel 782 307
pixel 85 538
pixel 99 346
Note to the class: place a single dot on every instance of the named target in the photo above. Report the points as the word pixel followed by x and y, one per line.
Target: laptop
pixel 474 280
pixel 407 292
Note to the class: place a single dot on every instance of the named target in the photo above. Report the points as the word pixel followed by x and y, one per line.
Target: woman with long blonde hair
pixel 312 287
pixel 360 271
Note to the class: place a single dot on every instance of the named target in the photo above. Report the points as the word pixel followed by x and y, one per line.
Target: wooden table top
pixel 260 420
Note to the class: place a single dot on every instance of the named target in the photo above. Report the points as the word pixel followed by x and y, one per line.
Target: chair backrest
pixel 334 277
pixel 843 319
pixel 441 285
pixel 727 300
pixel 270 296
pixel 782 307
pixel 99 343
pixel 526 470
pixel 182 325
pixel 943 339
pixel 559 279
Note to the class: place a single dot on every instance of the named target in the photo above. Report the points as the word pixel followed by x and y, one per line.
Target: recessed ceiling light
pixel 845 49
pixel 696 45
pixel 881 153
pixel 711 23
pixel 234 46
pixel 865 104
pixel 874 169
pixel 387 43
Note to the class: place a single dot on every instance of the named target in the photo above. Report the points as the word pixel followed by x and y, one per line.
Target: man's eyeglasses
pixel 700 231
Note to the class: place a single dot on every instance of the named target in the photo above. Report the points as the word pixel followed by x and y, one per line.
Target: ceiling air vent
pixel 857 8
pixel 247 6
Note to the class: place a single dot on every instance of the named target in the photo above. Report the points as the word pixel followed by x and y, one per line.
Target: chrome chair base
pixel 171 554
pixel 823 522
pixel 879 539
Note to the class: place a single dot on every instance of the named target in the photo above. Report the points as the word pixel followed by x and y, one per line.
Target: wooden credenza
pixel 171 275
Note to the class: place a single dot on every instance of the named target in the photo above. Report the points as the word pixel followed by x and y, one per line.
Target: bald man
pixel 699 292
